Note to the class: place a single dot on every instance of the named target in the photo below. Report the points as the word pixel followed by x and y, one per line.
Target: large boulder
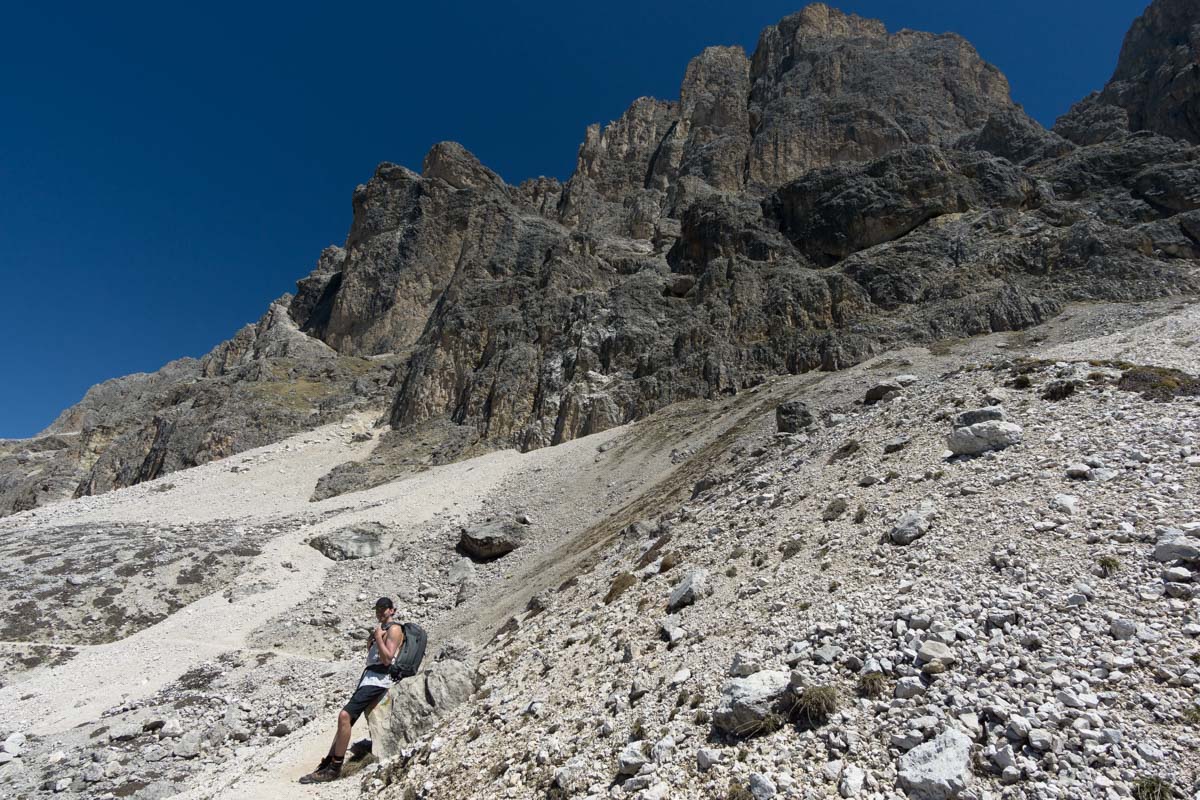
pixel 983 436
pixel 359 541
pixel 938 769
pixel 793 416
pixel 882 391
pixel 491 540
pixel 747 703
pixel 413 705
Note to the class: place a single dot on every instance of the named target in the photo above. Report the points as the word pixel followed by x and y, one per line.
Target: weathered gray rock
pixel 912 525
pixel 707 758
pixel 359 541
pixel 933 650
pixel 633 757
pixel 686 257
pixel 839 210
pixel 851 784
pixel 938 769
pixel 1177 549
pixel 881 391
pixel 984 436
pixel 747 702
pixel 693 587
pixel 414 704
pixel 492 539
pixel 188 745
pixel 793 417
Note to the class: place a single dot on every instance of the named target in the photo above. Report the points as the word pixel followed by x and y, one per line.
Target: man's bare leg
pixel 341 739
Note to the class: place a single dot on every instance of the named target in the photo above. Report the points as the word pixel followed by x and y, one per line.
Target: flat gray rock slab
pixel 359 541
pixel 938 769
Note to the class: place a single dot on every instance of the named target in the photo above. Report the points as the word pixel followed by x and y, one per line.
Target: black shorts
pixel 362 699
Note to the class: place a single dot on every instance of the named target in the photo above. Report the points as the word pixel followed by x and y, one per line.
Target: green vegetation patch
pixel 1159 383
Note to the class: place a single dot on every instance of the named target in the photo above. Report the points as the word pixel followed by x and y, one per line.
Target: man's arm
pixel 389 642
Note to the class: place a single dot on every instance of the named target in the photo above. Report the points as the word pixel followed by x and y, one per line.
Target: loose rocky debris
pixel 218 713
pixel 110 580
pixel 1032 638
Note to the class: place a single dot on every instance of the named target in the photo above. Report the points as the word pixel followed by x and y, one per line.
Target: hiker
pixel 385 642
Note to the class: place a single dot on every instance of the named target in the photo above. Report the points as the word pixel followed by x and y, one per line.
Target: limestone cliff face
pixel 822 87
pixel 840 190
pixel 1156 85
pixel 828 87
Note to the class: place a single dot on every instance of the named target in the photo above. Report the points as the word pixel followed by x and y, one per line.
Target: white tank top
pixel 374 659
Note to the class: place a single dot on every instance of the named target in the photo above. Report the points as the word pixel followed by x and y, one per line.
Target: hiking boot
pixel 323 774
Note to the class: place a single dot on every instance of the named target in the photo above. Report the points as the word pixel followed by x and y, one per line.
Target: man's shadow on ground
pixel 358 756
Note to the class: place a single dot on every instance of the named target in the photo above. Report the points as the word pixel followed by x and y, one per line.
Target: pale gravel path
pixel 141 664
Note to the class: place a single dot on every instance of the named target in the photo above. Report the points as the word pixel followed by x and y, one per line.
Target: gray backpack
pixel 406 663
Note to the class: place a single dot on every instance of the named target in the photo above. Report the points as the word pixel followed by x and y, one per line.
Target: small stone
pixel 188 745
pixel 1066 503
pixel 124 731
pixel 984 436
pixel 912 525
pixel 1177 549
pixel 707 758
pixel 1041 739
pixel 744 663
pixel 932 650
pixel 852 781
pixel 1177 575
pixel 909 687
pixel 793 417
pixel 693 587
pixel 1122 629
pixel 632 758
pixel 882 391
pixel 746 702
pixel 761 787
pixel 154 753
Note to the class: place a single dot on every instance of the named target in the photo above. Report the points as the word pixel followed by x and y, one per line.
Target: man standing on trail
pixel 385 641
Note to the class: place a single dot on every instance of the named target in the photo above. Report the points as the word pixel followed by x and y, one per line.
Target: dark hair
pixel 384 603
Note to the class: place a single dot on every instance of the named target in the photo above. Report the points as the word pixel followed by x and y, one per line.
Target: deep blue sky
pixel 165 173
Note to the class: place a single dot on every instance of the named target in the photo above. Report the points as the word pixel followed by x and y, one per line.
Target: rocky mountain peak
pixel 820 20
pixel 830 87
pixel 457 166
pixel 1156 85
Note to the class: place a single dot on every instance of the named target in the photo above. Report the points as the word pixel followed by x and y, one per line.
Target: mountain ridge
pixel 839 190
